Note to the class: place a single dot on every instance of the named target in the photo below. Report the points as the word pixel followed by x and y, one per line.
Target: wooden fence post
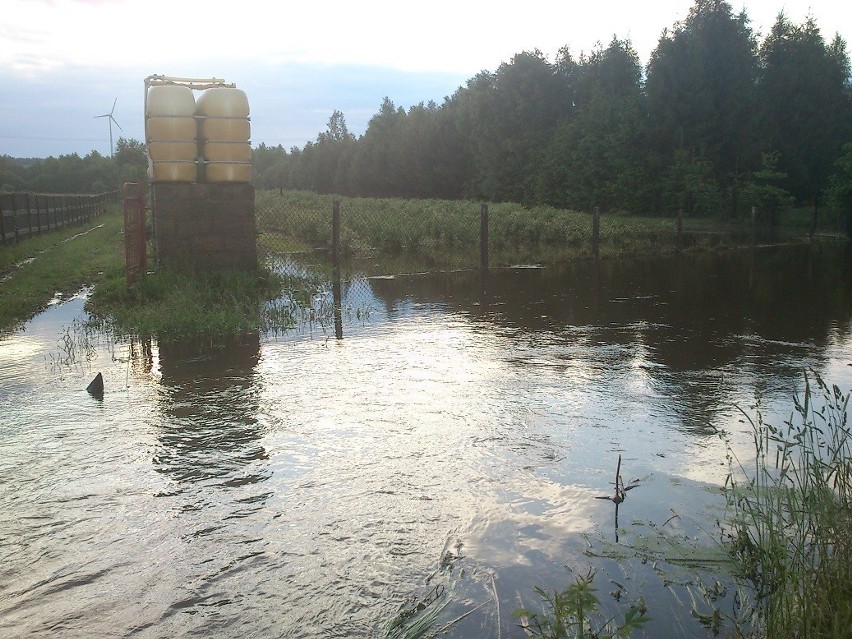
pixel 38 213
pixel 596 233
pixel 2 221
pixel 15 217
pixel 335 234
pixel 753 226
pixel 483 236
pixel 29 217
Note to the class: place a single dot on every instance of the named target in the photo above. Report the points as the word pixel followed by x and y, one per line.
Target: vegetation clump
pixel 174 305
pixel 791 517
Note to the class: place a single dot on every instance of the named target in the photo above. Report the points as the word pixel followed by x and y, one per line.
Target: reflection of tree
pixel 690 313
pixel 209 402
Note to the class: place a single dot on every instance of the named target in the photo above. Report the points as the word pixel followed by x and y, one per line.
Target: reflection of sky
pixel 263 479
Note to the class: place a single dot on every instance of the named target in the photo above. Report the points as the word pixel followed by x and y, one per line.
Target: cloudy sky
pixel 62 62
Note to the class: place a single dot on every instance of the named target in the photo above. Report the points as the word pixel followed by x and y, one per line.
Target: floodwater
pixel 446 451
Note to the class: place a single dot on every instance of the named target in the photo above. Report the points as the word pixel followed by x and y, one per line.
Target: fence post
pixel 337 302
pixel 38 214
pixel 335 234
pixel 680 229
pixel 15 217
pixel 596 233
pixel 483 236
pixel 2 221
pixel 753 226
pixel 29 217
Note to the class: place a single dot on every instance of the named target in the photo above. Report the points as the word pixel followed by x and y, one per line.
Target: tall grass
pixel 791 517
pixel 449 230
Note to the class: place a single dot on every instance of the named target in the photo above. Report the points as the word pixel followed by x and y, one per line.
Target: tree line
pixel 716 123
pixel 92 173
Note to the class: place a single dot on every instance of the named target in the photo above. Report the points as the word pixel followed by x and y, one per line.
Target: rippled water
pixel 454 438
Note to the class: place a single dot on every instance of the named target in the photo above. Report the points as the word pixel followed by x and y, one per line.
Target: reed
pixel 790 517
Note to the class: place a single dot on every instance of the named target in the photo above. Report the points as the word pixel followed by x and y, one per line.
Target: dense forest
pixel 715 123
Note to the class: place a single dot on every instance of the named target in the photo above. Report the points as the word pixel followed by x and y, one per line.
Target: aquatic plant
pixel 573 614
pixel 790 516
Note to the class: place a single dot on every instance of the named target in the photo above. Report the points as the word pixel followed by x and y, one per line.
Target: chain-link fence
pixel 352 243
pixel 24 215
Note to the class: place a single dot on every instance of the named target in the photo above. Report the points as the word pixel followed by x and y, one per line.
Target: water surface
pixel 301 485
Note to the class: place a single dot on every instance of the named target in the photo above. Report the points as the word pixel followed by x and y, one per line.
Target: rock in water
pixel 96 388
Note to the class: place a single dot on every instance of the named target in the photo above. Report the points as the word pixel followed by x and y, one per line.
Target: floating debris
pixel 96 387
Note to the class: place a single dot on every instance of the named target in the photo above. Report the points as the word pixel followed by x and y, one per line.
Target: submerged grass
pixel 791 517
pixel 35 270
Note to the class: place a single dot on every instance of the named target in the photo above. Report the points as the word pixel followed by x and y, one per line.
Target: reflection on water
pixel 454 438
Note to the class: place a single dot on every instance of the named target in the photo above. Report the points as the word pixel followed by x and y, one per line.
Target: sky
pixel 63 62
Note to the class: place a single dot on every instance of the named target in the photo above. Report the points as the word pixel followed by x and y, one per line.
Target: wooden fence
pixel 27 214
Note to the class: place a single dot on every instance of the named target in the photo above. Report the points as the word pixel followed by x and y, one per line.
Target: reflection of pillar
pixel 209 405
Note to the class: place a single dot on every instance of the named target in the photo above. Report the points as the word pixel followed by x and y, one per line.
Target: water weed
pixel 573 614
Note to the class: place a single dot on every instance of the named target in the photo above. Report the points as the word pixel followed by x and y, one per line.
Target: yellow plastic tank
pixel 174 171
pixel 177 151
pixel 167 127
pixel 169 100
pixel 222 102
pixel 227 171
pixel 224 129
pixel 227 152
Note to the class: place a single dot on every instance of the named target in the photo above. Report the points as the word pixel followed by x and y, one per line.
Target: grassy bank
pixel 165 305
pixel 36 269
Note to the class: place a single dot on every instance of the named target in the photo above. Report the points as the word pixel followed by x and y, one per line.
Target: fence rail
pixel 24 215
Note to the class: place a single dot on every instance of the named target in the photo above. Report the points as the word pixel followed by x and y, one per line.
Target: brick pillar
pixel 205 226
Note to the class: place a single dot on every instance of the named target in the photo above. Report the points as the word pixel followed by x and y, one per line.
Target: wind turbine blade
pixel 116 123
pixel 113 107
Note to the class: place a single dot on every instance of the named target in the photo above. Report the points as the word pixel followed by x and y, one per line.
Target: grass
pixel 165 304
pixel 791 517
pixel 38 268
pixel 175 306
pixel 447 232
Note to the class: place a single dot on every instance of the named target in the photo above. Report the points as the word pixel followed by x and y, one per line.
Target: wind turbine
pixel 111 120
